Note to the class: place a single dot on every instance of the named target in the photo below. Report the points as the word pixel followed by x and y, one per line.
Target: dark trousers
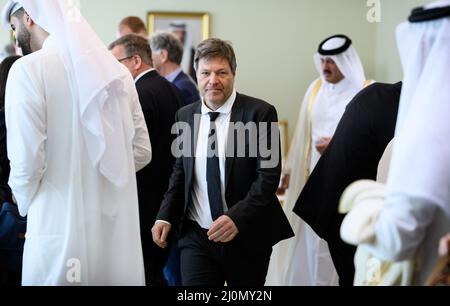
pixel 206 263
pixel 155 259
pixel 9 278
pixel 342 255
pixel 172 270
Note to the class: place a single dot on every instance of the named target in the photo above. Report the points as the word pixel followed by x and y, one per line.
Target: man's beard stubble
pixel 24 41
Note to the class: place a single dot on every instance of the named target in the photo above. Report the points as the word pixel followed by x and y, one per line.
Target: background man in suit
pixel 160 101
pixel 76 135
pixel 167 52
pixel 131 25
pixel 225 206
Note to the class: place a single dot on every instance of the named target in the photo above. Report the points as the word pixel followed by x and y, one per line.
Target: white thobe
pixel 82 229
pixel 329 106
pixel 305 259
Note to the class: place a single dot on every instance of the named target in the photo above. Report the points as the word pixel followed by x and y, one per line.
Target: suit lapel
pixel 237 114
pixel 194 136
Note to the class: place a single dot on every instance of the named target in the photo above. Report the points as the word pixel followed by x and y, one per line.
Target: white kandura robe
pixel 82 229
pixel 305 260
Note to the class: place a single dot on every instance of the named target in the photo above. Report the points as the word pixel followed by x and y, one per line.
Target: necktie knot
pixel 213 116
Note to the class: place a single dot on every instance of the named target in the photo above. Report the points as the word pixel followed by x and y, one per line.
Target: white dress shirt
pixel 173 75
pixel 199 209
pixel 330 104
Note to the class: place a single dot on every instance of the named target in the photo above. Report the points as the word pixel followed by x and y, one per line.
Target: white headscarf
pixel 420 165
pixel 348 62
pixel 9 9
pixel 105 115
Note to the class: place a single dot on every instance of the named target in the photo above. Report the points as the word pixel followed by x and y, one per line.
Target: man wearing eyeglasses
pixel 160 100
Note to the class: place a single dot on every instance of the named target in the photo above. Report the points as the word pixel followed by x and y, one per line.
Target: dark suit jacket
pixel 5 191
pixel 160 101
pixel 187 88
pixel 249 188
pixel 362 135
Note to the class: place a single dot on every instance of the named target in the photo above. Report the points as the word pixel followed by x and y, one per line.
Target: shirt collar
pixel 343 85
pixel 224 109
pixel 173 75
pixel 142 74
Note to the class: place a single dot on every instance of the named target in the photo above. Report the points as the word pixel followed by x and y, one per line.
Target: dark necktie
pixel 213 170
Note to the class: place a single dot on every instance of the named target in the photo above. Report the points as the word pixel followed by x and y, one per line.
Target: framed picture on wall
pixel 190 29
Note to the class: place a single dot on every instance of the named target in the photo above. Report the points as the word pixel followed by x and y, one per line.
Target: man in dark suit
pixel 221 197
pixel 160 101
pixel 167 52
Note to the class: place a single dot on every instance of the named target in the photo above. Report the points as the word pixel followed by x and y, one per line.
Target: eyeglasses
pixel 125 58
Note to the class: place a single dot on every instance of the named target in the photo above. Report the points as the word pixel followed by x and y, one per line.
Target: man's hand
pixel 223 230
pixel 159 233
pixel 444 246
pixel 322 144
pixel 285 180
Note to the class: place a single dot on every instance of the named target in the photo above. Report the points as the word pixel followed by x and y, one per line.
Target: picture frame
pixel 190 28
pixel 283 125
pixel 196 23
